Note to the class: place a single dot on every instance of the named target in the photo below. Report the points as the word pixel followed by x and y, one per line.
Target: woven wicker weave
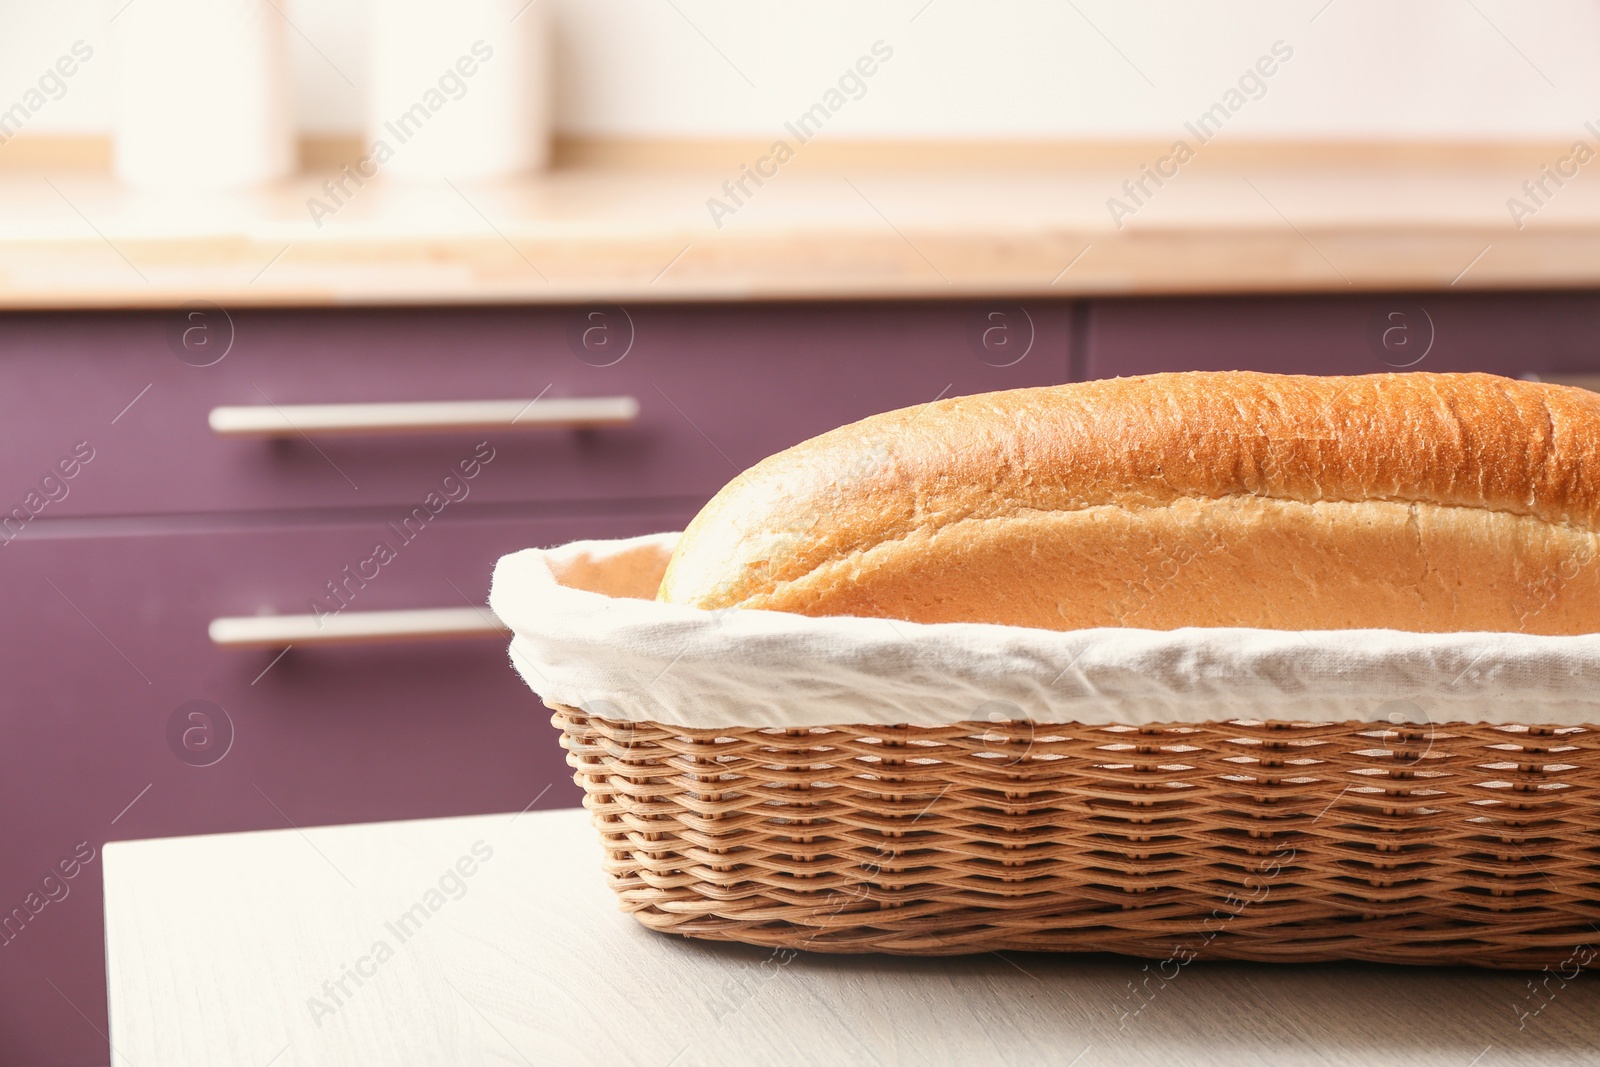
pixel 1469 844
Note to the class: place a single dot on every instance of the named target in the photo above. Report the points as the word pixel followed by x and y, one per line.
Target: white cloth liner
pixel 587 634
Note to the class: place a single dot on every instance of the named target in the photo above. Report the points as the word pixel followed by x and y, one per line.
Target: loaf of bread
pixel 1422 502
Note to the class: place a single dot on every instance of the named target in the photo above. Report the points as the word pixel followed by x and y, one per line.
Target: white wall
pixel 1445 69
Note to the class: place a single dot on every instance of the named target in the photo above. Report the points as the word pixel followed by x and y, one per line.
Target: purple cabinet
pixel 1510 334
pixel 122 720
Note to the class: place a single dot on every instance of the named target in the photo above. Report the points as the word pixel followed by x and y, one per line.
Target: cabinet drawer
pixel 718 388
pixel 106 643
pixel 116 637
pixel 1510 334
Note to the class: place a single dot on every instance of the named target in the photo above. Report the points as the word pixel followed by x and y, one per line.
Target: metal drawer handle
pixel 293 420
pixel 355 627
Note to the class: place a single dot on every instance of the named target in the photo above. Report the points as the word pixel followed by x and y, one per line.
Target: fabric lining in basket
pixel 586 629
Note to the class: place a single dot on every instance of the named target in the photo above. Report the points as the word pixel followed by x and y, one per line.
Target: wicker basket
pixel 1427 844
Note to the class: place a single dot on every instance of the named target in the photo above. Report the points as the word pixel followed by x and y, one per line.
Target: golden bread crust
pixel 1412 501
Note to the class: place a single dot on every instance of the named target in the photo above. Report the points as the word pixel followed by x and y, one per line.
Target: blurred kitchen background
pixel 1429 71
pixel 272 405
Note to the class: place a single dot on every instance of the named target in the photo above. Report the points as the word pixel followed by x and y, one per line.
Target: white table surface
pixel 219 948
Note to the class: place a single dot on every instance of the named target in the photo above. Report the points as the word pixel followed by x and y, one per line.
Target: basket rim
pixel 588 633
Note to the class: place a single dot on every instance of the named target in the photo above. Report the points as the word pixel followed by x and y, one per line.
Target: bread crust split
pixel 1425 502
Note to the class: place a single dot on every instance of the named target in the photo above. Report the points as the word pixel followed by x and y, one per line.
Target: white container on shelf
pixel 460 89
pixel 203 95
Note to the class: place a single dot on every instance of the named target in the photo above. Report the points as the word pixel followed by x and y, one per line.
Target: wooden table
pixel 494 940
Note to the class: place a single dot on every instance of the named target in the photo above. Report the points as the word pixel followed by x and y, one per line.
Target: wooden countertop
pixel 495 939
pixel 634 225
